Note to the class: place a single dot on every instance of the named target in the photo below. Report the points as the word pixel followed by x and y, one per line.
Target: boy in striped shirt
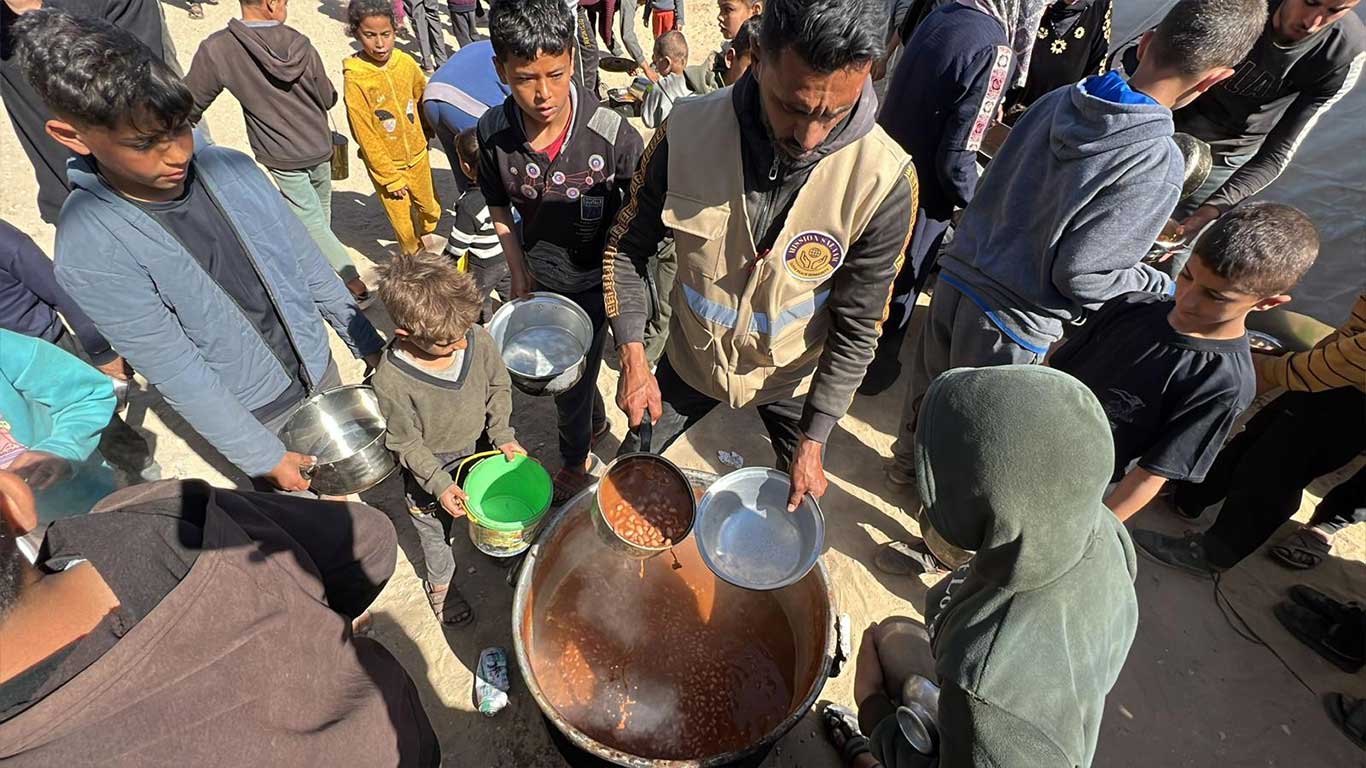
pixel 473 234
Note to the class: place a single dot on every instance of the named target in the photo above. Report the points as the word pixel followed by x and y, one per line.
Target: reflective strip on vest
pixel 720 314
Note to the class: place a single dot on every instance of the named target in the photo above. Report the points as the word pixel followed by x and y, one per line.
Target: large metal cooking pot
pixel 543 339
pixel 569 553
pixel 344 429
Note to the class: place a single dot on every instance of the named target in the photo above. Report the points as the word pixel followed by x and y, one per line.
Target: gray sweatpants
pixel 956 334
pixel 308 192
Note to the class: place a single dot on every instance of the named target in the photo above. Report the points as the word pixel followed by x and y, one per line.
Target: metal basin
pixel 344 429
pixel 543 340
pixel 1198 159
pixel 579 609
pixel 747 536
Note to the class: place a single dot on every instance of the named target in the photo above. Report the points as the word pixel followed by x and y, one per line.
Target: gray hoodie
pixel 1065 212
pixel 277 75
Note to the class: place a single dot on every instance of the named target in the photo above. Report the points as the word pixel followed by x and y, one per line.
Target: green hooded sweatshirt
pixel 1030 635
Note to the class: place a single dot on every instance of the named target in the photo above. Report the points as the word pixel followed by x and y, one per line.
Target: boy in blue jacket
pixel 188 261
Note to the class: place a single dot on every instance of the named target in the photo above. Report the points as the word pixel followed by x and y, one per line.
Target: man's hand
pixel 808 472
pixel 118 368
pixel 288 474
pixel 512 449
pixel 637 389
pixel 39 469
pixel 398 194
pixel 453 501
pixel 1192 225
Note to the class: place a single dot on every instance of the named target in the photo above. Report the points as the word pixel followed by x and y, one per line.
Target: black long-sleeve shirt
pixel 860 288
pixel 1273 100
pixel 30 298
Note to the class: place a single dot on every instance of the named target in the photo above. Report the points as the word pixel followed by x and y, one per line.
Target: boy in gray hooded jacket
pixel 1071 204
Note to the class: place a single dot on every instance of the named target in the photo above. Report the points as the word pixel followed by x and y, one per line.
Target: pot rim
pixel 510 306
pixel 527 569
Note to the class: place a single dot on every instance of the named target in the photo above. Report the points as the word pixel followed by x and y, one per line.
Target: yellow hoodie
pixel 384 107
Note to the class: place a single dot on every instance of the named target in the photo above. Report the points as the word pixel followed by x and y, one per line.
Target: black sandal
pixel 841 728
pixel 1332 609
pixel 1300 551
pixel 1333 641
pixel 1349 715
pixel 448 605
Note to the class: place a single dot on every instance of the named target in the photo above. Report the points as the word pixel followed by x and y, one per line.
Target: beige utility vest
pixel 750 327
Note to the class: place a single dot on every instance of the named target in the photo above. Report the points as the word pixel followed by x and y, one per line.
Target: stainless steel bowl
pixel 1263 342
pixel 543 340
pixel 1199 162
pixel 918 715
pixel 344 429
pixel 746 535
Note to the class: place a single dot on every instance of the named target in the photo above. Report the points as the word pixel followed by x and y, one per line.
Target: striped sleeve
pixel 473 233
pixel 1279 148
pixel 1337 361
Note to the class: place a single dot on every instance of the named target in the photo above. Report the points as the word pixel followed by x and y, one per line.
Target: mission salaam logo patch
pixel 813 256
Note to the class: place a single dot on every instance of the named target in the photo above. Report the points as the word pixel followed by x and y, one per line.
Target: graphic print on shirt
pixel 1121 406
pixel 10 448
pixel 531 182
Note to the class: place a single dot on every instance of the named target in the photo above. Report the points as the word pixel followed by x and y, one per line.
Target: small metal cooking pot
pixel 622 464
pixel 1199 160
pixel 543 340
pixel 344 430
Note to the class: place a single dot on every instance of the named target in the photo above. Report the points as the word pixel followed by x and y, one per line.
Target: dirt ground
pixel 1193 693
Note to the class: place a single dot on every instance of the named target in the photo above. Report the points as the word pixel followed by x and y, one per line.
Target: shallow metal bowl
pixel 344 430
pixel 746 535
pixel 1199 161
pixel 543 340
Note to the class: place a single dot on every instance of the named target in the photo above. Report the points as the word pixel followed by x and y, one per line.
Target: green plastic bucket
pixel 507 501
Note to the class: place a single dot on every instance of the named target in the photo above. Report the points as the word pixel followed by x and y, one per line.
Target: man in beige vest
pixel 790 210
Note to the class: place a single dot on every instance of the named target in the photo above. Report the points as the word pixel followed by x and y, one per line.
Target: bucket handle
pixel 460 466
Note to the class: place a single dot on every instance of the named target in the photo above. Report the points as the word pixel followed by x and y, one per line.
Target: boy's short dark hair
pixel 429 297
pixel 829 35
pixel 672 45
pixel 1199 35
pixel 528 28
pixel 467 146
pixel 92 73
pixel 360 10
pixel 746 35
pixel 1263 249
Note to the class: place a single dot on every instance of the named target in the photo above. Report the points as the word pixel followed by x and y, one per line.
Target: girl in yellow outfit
pixel 384 106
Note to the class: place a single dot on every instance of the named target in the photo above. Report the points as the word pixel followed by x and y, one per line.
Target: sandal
pixel 841 728
pixel 1349 715
pixel 567 484
pixel 907 558
pixel 1337 642
pixel 1300 551
pixel 196 11
pixel 450 607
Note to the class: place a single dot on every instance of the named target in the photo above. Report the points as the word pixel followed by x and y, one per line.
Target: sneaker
pixel 1184 552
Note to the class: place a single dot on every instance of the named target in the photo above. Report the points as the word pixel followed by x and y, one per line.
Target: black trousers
pixel 1262 473
pixel 685 406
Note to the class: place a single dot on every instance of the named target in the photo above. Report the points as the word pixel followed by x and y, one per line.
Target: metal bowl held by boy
pixel 543 339
pixel 344 430
pixel 747 536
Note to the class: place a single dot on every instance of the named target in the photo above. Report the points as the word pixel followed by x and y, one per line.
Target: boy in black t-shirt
pixel 1173 375
pixel 563 163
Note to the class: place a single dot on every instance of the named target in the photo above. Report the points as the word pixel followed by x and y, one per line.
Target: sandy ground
pixel 1193 693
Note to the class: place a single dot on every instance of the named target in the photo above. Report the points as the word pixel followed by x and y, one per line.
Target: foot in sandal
pixel 1349 715
pixel 448 605
pixel 570 480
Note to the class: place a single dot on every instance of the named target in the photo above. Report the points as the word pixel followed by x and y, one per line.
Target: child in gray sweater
pixel 445 394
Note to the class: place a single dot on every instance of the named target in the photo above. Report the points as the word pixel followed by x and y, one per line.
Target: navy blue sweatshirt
pixel 944 93
pixel 30 297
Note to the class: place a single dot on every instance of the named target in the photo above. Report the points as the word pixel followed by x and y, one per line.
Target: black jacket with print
pixel 858 301
pixel 568 205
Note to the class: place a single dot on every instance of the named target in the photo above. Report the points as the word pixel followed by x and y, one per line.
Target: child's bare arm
pixel 1134 492
pixel 522 283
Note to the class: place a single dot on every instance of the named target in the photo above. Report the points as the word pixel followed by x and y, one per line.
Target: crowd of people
pixel 800 189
